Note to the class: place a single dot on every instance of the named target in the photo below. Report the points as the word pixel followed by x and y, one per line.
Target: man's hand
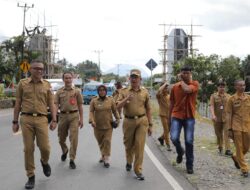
pixel 214 118
pixel 15 127
pixel 80 124
pixel 150 131
pixel 93 125
pixel 53 125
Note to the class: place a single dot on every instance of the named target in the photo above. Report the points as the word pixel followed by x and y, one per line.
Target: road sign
pixel 25 66
pixel 151 64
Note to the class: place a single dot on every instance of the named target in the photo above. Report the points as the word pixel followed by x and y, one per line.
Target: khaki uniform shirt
pixel 220 102
pixel 116 94
pixel 238 111
pixel 139 103
pixel 163 101
pixel 35 97
pixel 100 112
pixel 68 99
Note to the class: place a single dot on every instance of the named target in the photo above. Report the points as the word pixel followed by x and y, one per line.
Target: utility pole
pixel 118 70
pixel 99 60
pixel 164 58
pixel 25 9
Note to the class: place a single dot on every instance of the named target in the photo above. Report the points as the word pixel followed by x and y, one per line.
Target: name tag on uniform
pixel 221 107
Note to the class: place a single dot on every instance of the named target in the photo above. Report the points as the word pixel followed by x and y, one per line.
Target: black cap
pixel 186 68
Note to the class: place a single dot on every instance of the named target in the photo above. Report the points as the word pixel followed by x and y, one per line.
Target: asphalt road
pixel 89 174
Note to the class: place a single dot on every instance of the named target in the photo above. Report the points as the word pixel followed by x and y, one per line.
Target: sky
pixel 129 31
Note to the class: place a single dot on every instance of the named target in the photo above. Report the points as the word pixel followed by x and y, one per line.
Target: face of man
pixel 135 81
pixel 221 88
pixel 186 76
pixel 240 86
pixel 68 79
pixel 36 70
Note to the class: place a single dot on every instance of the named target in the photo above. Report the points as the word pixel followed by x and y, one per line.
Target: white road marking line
pixel 175 185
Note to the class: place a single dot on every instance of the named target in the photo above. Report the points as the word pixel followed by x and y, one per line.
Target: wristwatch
pixel 15 122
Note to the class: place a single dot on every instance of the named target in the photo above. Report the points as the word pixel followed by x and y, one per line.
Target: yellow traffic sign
pixel 25 66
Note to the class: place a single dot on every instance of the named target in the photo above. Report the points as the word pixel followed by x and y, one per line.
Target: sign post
pixel 151 64
pixel 25 66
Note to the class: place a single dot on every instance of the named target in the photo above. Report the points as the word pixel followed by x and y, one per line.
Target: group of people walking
pixel 34 96
pixel 231 116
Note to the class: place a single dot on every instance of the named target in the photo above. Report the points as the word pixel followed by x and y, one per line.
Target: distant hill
pixel 124 70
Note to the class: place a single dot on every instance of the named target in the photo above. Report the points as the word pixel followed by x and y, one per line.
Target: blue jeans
pixel 175 131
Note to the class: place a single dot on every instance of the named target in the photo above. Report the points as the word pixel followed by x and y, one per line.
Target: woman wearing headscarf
pixel 100 117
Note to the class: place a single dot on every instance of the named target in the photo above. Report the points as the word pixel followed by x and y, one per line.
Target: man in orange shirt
pixel 182 113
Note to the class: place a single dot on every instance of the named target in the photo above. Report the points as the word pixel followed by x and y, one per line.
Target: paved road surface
pixel 89 174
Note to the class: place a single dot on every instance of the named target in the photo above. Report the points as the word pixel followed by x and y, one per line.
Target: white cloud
pixel 128 31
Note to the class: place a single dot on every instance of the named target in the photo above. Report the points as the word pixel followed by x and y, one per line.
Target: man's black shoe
pixel 190 171
pixel 235 163
pixel 228 153
pixel 72 164
pixel 30 183
pixel 128 167
pixel 244 174
pixel 140 177
pixel 64 156
pixel 161 140
pixel 46 169
pixel 106 164
pixel 179 157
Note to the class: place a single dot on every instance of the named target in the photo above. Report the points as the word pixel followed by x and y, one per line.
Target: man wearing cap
pixel 182 113
pixel 218 103
pixel 69 100
pixel 137 122
pixel 163 97
pixel 32 99
pixel 238 117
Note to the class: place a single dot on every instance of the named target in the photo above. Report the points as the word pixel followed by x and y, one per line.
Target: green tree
pixel 230 70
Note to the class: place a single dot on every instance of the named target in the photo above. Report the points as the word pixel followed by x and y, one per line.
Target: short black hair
pixel 36 61
pixel 237 81
pixel 67 72
pixel 186 68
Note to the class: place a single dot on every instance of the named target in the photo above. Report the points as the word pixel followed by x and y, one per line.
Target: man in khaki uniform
pixel 218 103
pixel 116 93
pixel 100 117
pixel 137 112
pixel 163 100
pixel 69 100
pixel 238 110
pixel 33 96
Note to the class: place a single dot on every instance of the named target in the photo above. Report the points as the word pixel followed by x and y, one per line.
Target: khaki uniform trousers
pixel 69 123
pixel 242 142
pixel 164 122
pixel 103 137
pixel 135 131
pixel 34 128
pixel 221 132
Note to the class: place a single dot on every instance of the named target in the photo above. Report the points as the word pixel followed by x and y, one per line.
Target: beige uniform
pixel 164 101
pixel 115 96
pixel 68 101
pixel 35 98
pixel 220 125
pixel 135 125
pixel 239 117
pixel 100 113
